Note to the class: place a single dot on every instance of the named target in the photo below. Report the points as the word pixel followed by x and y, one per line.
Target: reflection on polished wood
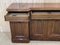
pixel 33 6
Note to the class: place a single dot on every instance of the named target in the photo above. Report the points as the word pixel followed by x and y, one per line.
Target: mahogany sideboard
pixel 34 21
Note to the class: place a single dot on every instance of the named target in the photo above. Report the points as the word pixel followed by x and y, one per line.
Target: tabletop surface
pixel 33 6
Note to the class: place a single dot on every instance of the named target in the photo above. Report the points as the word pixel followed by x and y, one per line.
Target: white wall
pixel 4 25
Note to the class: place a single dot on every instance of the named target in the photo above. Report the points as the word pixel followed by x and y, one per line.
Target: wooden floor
pixel 6 40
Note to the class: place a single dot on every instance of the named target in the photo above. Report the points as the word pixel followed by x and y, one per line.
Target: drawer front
pixel 45 15
pixel 17 17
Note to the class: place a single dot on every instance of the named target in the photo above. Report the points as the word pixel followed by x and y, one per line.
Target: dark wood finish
pixel 45 26
pixel 34 21
pixel 19 23
pixel 22 17
pixel 45 15
pixel 33 6
pixel 38 30
pixel 54 30
pixel 45 30
pixel 20 31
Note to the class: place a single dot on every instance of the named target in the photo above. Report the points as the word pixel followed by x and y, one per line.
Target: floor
pixel 5 39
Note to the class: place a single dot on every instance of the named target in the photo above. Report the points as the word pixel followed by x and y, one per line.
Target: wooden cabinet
pixel 34 21
pixel 45 26
pixel 19 24
pixel 45 30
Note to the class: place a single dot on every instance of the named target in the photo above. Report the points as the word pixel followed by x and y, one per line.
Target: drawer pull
pixel 14 15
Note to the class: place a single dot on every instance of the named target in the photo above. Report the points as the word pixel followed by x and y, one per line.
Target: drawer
pixel 46 15
pixel 17 17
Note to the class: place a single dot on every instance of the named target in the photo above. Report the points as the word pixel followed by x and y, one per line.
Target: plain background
pixel 4 25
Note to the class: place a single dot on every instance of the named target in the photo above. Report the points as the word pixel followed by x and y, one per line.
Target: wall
pixel 4 25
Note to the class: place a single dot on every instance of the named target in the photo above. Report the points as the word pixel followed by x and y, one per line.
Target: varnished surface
pixel 33 6
pixel 19 31
pixel 54 30
pixel 19 7
pixel 35 25
pixel 22 17
pixel 38 30
pixel 45 15
pixel 45 30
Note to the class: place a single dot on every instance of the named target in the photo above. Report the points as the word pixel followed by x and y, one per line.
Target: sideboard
pixel 34 21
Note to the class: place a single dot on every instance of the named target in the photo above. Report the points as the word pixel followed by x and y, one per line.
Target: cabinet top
pixel 33 6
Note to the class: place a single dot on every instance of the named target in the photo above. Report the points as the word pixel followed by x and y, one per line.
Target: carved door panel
pixel 54 30
pixel 38 29
pixel 20 31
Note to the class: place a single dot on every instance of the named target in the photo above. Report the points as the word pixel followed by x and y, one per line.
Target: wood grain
pixel 33 6
pixel 45 15
pixel 38 29
pixel 35 24
pixel 22 17
pixel 19 32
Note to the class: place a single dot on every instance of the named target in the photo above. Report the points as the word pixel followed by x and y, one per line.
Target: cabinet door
pixel 38 29
pixel 54 30
pixel 20 31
